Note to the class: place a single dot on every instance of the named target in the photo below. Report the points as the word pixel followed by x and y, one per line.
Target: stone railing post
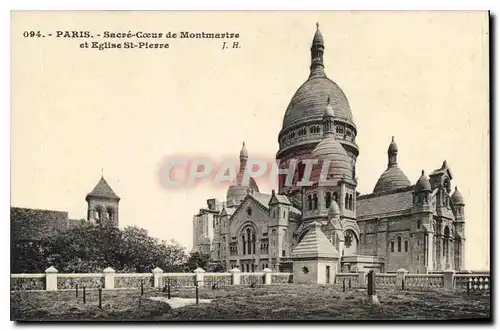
pixel 236 276
pixel 267 276
pixel 448 276
pixel 157 277
pixel 400 277
pixel 109 278
pixel 362 278
pixel 51 279
pixel 199 275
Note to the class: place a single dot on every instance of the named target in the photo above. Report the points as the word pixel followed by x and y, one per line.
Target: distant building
pixel 418 227
pixel 29 225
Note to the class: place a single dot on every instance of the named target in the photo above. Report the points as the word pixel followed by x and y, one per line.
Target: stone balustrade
pixel 52 280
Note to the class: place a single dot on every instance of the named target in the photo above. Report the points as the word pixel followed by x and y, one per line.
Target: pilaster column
pixel 109 278
pixel 51 279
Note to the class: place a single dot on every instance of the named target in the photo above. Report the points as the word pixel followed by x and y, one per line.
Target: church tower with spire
pixel 102 204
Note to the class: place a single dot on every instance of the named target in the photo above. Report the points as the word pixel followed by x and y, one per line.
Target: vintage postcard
pixel 259 165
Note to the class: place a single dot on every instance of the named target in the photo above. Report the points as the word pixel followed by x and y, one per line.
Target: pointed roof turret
pixel 457 198
pixel 315 244
pixel 423 183
pixel 102 190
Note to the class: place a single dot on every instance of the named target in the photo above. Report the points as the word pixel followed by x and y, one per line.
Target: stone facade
pixel 417 227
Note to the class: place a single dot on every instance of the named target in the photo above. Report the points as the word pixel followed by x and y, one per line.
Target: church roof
pixel 315 244
pixel 103 190
pixel 388 202
pixel 277 198
pixel 262 198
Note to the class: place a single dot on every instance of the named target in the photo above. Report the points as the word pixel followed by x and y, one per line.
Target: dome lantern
pixel 317 48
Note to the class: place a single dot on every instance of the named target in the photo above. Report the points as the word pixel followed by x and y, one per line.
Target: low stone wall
pixel 69 281
pixel 24 282
pixel 51 280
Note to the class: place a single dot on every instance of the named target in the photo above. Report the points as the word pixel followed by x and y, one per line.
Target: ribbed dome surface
pixel 309 101
pixel 457 198
pixel 340 163
pixel 393 178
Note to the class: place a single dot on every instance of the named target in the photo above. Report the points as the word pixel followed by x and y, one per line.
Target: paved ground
pixel 179 302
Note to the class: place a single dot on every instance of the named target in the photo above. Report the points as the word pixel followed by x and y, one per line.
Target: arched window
pixel 309 202
pixel 253 244
pixel 346 201
pixel 392 246
pixel 249 241
pixel 350 202
pixel 243 241
pixel 406 245
pixel 315 201
pixel 419 224
pixel 111 214
pixel 99 212
pixel 328 199
pixel 399 244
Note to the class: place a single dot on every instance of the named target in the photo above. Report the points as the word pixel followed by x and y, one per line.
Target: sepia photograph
pixel 250 166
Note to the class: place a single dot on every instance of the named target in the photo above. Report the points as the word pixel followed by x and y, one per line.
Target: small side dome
pixel 334 209
pixel 423 184
pixel 340 163
pixel 393 178
pixel 457 198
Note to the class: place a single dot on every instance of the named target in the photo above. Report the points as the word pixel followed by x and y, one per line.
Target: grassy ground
pixel 245 303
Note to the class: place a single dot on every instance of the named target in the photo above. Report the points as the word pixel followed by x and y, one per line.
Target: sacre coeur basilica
pixel 417 224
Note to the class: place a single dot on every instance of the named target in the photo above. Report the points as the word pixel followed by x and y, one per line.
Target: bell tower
pixel 102 204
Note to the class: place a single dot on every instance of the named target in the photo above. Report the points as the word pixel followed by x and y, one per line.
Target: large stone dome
pixel 308 102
